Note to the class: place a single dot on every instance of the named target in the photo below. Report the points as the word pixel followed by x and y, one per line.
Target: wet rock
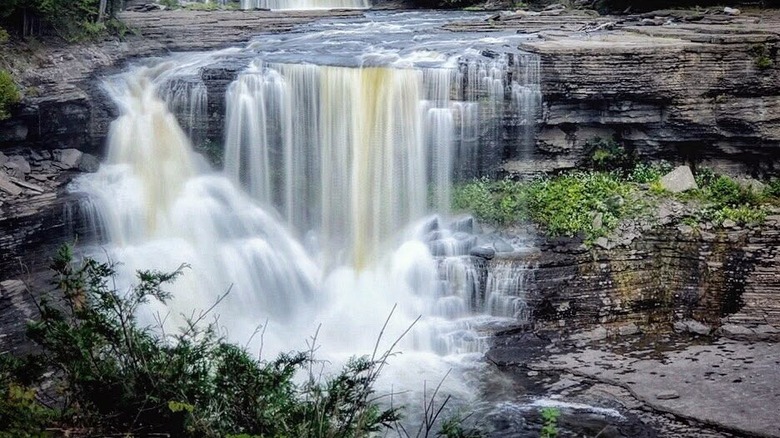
pixel 735 331
pixel 602 242
pixel 667 395
pixel 731 11
pixel 597 334
pixel 89 163
pixel 502 245
pixel 679 180
pixel 26 185
pixel 598 221
pixel 554 7
pixel 18 164
pixel 692 326
pixel 68 159
pixel 6 186
pixel 630 329
pixel 465 225
pixel 486 252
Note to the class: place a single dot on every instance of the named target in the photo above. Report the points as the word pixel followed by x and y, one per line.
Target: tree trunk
pixel 102 10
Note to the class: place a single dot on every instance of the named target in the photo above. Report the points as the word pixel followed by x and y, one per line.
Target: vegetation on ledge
pixel 9 94
pixel 592 203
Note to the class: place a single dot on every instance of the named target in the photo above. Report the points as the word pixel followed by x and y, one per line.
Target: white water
pixel 305 4
pixel 332 207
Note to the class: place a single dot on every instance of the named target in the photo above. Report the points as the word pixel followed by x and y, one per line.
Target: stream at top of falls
pixel 341 140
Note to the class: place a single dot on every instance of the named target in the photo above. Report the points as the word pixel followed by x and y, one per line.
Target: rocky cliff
pixel 679 86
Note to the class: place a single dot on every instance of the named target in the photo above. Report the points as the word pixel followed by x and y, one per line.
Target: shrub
pixel 608 155
pixel 115 376
pixel 724 191
pixel 762 57
pixel 550 427
pixel 646 173
pixel 9 94
pixel 564 205
pixel 742 215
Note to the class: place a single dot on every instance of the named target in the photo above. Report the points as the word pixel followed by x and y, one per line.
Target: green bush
pixel 762 56
pixel 608 155
pixel 550 427
pixel 564 205
pixel 9 94
pixel 646 173
pixel 724 191
pixel 116 377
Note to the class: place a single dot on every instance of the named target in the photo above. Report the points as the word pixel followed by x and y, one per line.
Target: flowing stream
pixel 341 144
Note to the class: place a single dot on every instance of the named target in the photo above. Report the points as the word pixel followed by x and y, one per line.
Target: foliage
pixel 115 376
pixel 20 412
pixel 71 19
pixel 4 36
pixel 727 199
pixel 550 427
pixel 724 191
pixel 648 173
pixel 742 215
pixel 170 4
pixel 762 56
pixel 501 202
pixel 608 155
pixel 9 94
pixel 772 189
pixel 566 205
pixel 563 205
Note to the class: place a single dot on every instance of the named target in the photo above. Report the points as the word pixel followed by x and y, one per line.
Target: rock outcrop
pixel 702 87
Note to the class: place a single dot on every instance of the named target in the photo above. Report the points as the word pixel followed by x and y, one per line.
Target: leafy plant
pixel 608 155
pixel 645 173
pixel 761 56
pixel 564 205
pixel 550 426
pixel 9 94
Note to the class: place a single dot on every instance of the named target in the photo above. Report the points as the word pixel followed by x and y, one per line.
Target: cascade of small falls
pixel 334 202
pixel 305 4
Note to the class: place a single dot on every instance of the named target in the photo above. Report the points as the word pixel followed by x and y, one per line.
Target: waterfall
pixel 334 202
pixel 305 4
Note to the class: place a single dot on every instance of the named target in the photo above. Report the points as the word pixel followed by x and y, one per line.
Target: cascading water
pixel 305 4
pixel 333 204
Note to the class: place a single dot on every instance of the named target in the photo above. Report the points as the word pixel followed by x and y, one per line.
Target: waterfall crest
pixel 305 4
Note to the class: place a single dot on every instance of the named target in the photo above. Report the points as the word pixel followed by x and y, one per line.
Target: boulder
pixel 6 186
pixel 502 245
pixel 89 163
pixel 692 326
pixel 598 221
pixel 667 395
pixel 731 11
pixel 19 164
pixel 679 180
pixel 483 251
pixel 68 159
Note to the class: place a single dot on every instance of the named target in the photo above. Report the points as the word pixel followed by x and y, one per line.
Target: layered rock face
pixel 693 92
pixel 678 86
pixel 693 280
